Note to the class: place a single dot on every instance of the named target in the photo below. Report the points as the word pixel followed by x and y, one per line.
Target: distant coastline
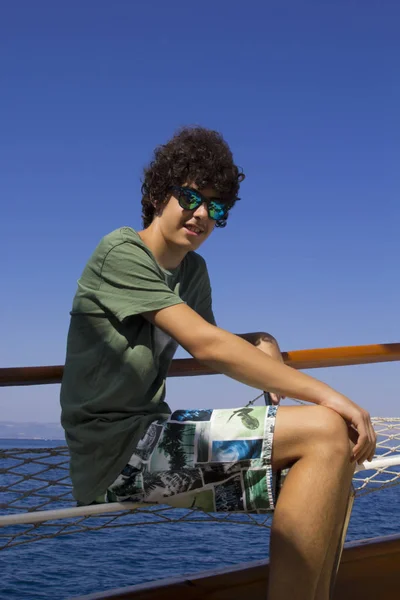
pixel 11 430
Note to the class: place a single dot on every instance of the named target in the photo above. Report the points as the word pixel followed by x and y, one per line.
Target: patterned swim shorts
pixel 216 460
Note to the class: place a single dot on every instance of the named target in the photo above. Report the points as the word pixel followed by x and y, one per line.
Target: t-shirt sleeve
pixel 132 283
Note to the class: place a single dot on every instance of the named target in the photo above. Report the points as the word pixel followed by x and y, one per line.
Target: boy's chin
pixel 191 240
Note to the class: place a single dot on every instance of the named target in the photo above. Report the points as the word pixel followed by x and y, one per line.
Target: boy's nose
pixel 201 211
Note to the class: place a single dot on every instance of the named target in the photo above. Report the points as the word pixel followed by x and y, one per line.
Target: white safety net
pixel 36 494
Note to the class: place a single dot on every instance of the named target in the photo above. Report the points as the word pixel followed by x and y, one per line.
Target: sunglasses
pixel 190 199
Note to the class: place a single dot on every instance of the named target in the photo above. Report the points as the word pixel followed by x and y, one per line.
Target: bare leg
pixel 324 583
pixel 315 441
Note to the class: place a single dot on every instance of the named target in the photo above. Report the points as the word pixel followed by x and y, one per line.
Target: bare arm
pixel 227 353
pixel 268 344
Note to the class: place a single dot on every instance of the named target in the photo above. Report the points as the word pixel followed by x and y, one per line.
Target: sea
pixel 81 563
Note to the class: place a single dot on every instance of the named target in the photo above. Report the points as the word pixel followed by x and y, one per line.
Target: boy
pixel 140 295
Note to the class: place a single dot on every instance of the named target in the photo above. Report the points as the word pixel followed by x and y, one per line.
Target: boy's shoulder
pixel 120 236
pixel 123 236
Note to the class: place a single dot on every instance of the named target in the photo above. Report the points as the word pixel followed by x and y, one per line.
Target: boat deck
pixel 369 570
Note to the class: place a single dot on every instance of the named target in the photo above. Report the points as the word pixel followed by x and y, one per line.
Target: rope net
pixel 36 499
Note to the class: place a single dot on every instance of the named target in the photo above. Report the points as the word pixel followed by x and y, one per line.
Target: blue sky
pixel 307 95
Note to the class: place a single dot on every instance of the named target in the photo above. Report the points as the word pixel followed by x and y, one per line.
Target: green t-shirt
pixel 116 364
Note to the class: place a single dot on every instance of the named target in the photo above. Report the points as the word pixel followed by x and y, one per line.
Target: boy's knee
pixel 329 428
pixel 268 344
pixel 262 337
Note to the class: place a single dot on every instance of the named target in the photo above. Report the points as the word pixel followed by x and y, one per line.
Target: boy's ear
pixel 159 206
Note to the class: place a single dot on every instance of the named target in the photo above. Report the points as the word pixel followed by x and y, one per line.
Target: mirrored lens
pixel 189 200
pixel 217 210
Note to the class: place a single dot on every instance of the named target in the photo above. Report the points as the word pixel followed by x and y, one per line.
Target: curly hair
pixel 194 155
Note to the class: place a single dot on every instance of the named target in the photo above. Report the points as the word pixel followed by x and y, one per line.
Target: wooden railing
pixel 184 367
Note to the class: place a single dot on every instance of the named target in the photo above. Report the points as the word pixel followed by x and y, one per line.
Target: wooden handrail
pixel 184 367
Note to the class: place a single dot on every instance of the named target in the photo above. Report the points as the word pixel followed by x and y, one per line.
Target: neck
pixel 166 254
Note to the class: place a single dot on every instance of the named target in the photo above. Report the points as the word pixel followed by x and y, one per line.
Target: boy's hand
pixel 359 421
pixel 275 398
